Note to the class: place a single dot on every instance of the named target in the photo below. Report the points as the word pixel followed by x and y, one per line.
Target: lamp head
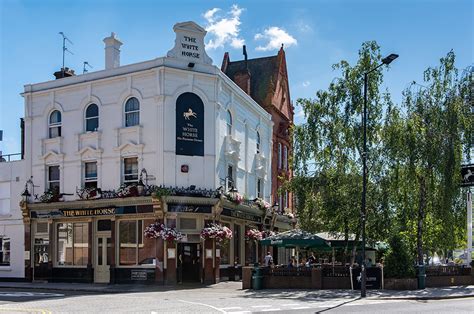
pixel 387 60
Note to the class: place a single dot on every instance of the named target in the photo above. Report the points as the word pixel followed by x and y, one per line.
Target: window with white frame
pixel 130 170
pixel 259 188
pixel 90 174
pixel 258 142
pixel 4 251
pixel 132 112
pixel 72 243
pixel 92 118
pixel 134 248
pixel 285 157
pixel 279 155
pixel 54 178
pixel 229 123
pixel 55 122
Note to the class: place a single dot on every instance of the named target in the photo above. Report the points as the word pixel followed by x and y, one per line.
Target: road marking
pixel 300 308
pixel 231 308
pixel 261 306
pixel 22 294
pixel 202 304
pixel 7 310
pixel 290 304
pixel 269 310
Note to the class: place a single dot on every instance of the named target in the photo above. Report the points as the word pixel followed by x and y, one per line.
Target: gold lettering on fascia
pixel 88 212
pixel 190 47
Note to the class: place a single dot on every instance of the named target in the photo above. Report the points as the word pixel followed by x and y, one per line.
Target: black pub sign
pixel 467 175
pixel 241 215
pixel 189 125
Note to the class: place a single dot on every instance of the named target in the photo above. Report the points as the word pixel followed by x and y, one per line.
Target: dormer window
pixel 92 118
pixel 55 124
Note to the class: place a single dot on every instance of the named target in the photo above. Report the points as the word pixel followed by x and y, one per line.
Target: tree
pixel 327 153
pixel 398 261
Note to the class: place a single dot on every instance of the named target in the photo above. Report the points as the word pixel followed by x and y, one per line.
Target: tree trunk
pixel 421 216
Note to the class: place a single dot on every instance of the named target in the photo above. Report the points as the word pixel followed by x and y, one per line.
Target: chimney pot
pixel 112 51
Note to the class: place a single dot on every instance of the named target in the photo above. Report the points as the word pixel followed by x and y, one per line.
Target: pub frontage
pixel 153 172
pixel 104 241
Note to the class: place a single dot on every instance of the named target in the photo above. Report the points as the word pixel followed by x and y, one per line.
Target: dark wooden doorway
pixel 189 264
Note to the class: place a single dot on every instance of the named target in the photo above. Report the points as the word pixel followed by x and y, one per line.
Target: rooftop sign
pixel 189 43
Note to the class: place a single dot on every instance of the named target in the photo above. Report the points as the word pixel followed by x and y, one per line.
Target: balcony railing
pixel 10 157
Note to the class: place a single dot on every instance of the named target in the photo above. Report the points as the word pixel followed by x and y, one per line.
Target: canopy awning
pixel 295 238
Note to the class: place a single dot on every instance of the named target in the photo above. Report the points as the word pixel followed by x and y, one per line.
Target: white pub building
pixel 172 140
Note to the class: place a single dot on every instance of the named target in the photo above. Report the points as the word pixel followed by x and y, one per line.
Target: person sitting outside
pixel 311 259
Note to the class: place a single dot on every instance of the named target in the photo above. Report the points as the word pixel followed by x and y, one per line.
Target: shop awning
pixel 295 238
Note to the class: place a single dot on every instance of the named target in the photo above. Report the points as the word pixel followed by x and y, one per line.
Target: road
pixel 208 300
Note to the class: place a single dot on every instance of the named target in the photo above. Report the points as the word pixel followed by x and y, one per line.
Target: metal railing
pixel 286 272
pixel 336 271
pixel 10 157
pixel 433 271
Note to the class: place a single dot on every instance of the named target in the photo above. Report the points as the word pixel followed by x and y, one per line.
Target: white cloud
pixel 275 37
pixel 209 15
pixel 299 114
pixel 224 29
pixel 306 83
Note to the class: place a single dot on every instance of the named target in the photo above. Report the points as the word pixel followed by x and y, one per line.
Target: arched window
pixel 229 123
pixel 55 124
pixel 132 112
pixel 92 118
pixel 258 142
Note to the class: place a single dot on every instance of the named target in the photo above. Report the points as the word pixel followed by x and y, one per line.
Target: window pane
pixel 92 111
pixel 92 124
pixel 146 249
pixel 237 254
pixel 4 251
pixel 81 245
pixel 132 118
pixel 132 105
pixel 54 131
pixel 128 242
pixel 130 169
pixel 90 170
pixel 53 173
pixel 55 117
pixel 64 244
pixel 225 249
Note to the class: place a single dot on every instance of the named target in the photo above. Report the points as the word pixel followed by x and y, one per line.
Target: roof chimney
pixel 112 51
pixel 64 72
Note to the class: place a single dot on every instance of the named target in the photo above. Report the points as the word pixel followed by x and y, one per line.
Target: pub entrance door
pixel 103 250
pixel 189 264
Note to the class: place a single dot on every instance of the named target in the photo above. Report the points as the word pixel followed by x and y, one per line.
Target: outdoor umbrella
pixel 295 239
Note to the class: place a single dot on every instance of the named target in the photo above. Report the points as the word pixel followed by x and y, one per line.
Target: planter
pixel 400 284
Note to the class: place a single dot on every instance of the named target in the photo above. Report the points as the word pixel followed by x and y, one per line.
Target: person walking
pixel 268 259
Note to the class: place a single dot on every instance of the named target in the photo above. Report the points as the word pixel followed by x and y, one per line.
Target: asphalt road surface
pixel 208 300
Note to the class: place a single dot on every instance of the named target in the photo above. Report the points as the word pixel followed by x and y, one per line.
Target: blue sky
pixel 316 34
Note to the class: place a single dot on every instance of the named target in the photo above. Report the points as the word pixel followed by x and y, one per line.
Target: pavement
pixel 229 286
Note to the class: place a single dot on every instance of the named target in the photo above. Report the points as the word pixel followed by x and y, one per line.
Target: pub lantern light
pixel 140 187
pixel 26 194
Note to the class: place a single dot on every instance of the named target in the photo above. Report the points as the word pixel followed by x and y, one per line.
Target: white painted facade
pixel 12 182
pixel 156 84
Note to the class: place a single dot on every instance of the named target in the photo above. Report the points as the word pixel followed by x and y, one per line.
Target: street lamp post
pixel 385 61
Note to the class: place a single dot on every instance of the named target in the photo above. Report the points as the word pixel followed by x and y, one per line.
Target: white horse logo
pixel 468 175
pixel 190 113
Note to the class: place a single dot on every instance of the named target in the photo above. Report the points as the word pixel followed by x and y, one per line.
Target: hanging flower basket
pixel 253 234
pixel 267 233
pixel 127 191
pixel 262 204
pixel 216 231
pixel 234 197
pixel 159 231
